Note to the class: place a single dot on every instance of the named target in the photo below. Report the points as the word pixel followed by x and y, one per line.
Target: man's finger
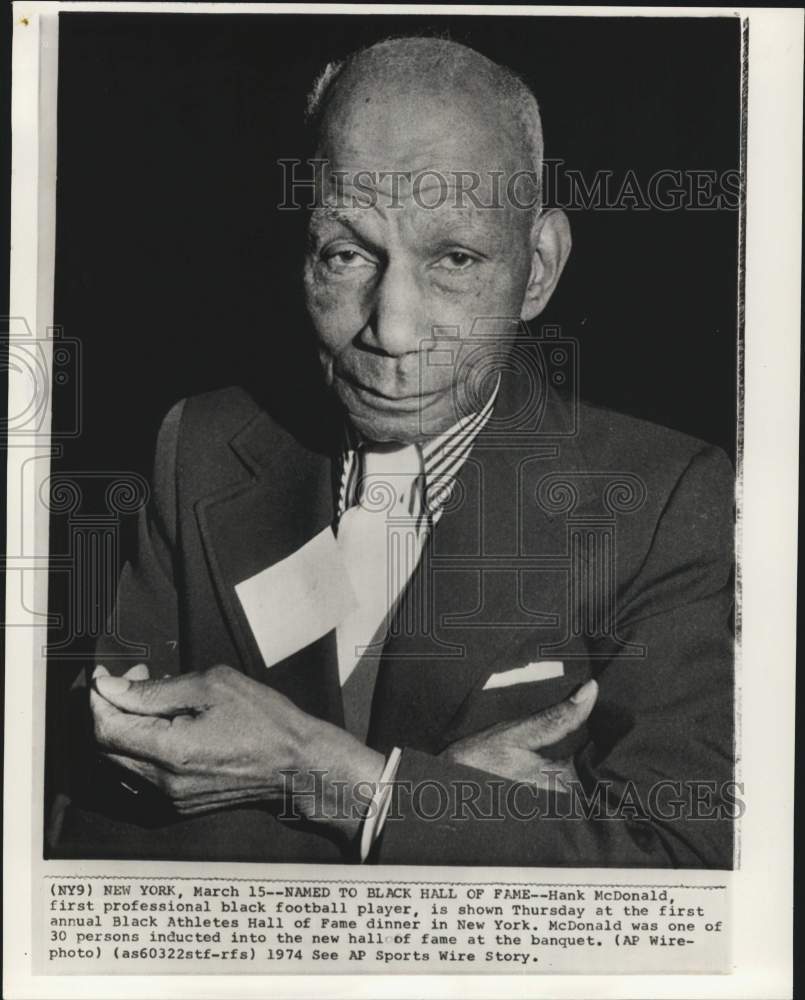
pixel 164 696
pixel 253 791
pixel 553 724
pixel 195 805
pixel 139 672
pixel 251 794
pixel 143 737
pixel 139 767
pixel 199 808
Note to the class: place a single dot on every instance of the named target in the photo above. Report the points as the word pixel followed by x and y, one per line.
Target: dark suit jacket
pixel 608 548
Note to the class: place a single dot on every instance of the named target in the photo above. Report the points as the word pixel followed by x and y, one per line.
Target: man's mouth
pixel 387 400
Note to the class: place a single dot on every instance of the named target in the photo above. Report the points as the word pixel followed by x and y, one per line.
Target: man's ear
pixel 550 248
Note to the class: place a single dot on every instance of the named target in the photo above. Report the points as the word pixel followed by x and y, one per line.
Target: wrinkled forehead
pixel 431 199
pixel 439 162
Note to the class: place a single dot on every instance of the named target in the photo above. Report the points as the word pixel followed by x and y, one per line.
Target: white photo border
pixel 762 944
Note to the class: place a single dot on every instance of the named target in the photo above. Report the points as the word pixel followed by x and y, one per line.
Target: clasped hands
pixel 217 738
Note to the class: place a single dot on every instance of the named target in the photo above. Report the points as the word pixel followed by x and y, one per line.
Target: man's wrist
pixel 350 775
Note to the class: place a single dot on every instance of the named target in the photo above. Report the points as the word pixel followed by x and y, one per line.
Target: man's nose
pixel 394 326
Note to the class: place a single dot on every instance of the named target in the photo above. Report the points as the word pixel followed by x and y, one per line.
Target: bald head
pixel 413 83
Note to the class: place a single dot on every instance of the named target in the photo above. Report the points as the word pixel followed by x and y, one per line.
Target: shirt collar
pixel 442 459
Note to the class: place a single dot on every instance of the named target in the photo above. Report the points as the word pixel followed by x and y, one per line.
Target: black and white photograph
pixel 383 485
pixel 437 335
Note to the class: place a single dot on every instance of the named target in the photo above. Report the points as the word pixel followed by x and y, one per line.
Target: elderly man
pixel 444 633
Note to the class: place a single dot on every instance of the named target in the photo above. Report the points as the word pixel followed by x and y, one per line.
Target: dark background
pixel 177 274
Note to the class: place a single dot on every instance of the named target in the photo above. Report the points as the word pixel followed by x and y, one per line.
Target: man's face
pixel 388 277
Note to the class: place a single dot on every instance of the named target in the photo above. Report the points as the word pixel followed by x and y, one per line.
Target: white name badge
pixel 299 599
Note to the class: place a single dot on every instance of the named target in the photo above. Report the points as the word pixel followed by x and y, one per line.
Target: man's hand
pixel 511 749
pixel 218 738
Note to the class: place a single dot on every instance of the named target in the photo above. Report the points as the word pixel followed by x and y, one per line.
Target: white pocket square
pixel 540 670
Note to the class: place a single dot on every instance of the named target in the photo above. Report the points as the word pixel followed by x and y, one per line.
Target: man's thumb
pixel 165 696
pixel 586 695
pixel 111 687
pixel 553 724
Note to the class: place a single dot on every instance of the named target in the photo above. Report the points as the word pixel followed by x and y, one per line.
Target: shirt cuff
pixel 379 806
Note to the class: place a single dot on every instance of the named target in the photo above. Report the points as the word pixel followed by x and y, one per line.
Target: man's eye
pixel 457 260
pixel 346 258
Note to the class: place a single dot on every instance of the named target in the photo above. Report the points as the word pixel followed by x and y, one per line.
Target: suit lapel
pixel 473 599
pixel 469 604
pixel 286 501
